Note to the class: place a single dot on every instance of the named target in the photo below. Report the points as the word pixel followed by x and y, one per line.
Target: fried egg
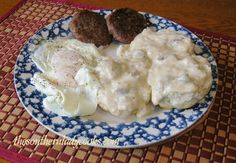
pixel 67 77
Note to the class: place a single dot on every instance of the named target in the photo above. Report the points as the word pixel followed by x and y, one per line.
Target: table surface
pixel 215 16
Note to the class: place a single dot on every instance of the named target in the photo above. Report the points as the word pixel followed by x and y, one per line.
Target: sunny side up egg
pixel 67 79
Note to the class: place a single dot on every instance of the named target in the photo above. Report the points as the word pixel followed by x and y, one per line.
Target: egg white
pixel 66 77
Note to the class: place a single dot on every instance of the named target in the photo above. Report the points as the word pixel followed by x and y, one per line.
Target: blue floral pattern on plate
pixel 166 123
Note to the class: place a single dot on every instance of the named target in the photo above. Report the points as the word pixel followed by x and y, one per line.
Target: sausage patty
pixel 125 23
pixel 90 27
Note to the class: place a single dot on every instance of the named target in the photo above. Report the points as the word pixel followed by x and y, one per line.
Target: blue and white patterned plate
pixel 102 129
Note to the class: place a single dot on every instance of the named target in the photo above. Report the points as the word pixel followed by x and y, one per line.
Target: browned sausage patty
pixel 124 24
pixel 90 27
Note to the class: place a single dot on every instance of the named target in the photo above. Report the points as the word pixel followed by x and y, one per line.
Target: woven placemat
pixel 212 140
